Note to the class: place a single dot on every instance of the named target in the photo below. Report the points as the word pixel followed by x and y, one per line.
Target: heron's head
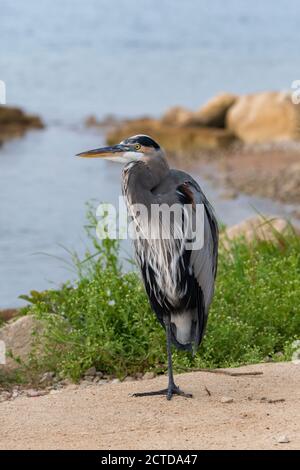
pixel 129 150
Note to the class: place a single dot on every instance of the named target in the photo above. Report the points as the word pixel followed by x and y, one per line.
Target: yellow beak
pixel 105 152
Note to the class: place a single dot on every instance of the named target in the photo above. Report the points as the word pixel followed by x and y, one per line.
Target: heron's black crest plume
pixel 144 140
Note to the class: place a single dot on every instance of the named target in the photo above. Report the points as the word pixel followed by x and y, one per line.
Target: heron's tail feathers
pixel 187 329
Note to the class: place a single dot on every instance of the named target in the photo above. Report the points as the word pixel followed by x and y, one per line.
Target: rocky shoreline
pixel 14 122
pixel 252 141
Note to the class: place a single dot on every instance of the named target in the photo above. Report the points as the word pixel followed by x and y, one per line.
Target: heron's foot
pixel 169 392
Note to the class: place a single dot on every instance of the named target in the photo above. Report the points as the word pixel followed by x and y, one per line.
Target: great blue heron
pixel 179 280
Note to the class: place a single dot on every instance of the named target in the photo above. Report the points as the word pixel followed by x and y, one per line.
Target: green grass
pixel 104 319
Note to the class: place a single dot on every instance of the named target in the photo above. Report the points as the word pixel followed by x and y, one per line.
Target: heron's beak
pixel 105 152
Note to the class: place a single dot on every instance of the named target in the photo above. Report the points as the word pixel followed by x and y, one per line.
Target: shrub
pixel 104 318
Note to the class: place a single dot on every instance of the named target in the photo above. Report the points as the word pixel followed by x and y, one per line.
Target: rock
pixel 14 122
pixel 15 394
pixel 226 400
pixel 129 379
pixel 264 117
pixel 296 353
pixel 214 112
pixel 268 359
pixel 257 227
pixel 148 375
pixel 102 382
pixel 279 355
pixel 4 396
pixel 177 116
pixel 115 381
pixel 289 182
pixel 174 138
pixel 90 372
pixel 47 377
pixel 91 121
pixel 65 383
pixel 107 121
pixel 283 439
pixel 89 378
pixel 8 313
pixel 18 338
pixel 36 393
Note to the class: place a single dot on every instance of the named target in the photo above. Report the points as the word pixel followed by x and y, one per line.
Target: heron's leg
pixel 172 387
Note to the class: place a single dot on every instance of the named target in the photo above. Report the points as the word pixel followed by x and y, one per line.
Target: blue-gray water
pixel 67 59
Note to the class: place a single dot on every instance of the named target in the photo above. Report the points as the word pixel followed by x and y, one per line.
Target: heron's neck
pixel 142 177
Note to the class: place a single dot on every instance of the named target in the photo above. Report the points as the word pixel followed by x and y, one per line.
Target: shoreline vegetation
pixel 102 325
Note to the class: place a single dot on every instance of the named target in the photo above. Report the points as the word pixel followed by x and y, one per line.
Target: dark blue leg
pixel 172 388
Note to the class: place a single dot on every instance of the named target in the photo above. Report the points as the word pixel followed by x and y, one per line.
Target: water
pixel 66 60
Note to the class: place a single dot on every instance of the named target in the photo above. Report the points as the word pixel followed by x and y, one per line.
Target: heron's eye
pixel 137 146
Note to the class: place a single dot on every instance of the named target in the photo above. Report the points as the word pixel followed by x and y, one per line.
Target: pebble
pixel 47 377
pixel 148 375
pixel 279 354
pixel 139 375
pixel 129 379
pixel 268 359
pixel 102 382
pixel 226 400
pixel 36 393
pixel 296 353
pixel 89 378
pixel 115 381
pixel 5 396
pixel 91 371
pixel 283 439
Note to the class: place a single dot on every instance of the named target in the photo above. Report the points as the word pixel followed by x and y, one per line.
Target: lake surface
pixel 66 60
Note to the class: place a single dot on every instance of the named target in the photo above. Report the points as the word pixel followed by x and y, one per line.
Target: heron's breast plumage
pixel 158 252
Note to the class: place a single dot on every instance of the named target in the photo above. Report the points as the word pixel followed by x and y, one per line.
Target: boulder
pixel 257 227
pixel 214 112
pixel 108 121
pixel 177 116
pixel 288 183
pixel 264 117
pixel 174 138
pixel 8 313
pixel 18 338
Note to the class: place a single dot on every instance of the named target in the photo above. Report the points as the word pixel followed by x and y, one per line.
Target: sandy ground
pixel 264 408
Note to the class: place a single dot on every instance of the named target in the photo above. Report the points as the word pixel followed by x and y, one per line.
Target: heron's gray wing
pixel 204 261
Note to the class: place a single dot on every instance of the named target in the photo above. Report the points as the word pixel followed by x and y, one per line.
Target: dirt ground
pixel 265 410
